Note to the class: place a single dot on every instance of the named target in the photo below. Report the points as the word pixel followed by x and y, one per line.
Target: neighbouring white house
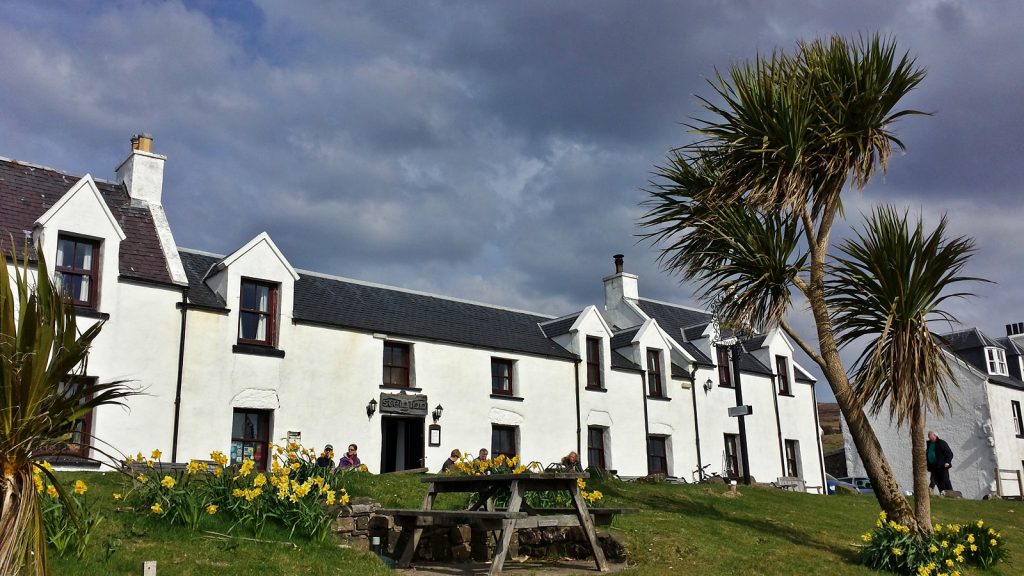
pixel 983 424
pixel 236 351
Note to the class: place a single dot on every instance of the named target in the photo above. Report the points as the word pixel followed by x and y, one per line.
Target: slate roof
pixel 623 338
pixel 677 319
pixel 1012 349
pixel 1008 381
pixel 622 363
pixel 396 312
pixel 968 339
pixel 802 376
pixel 698 355
pixel 560 326
pixel 28 191
pixel 695 332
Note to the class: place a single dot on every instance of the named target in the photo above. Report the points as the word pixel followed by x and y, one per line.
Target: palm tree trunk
pixel 919 458
pixel 883 481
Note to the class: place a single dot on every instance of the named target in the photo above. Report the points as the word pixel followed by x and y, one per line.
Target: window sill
pixel 787 394
pixel 506 397
pixel 257 350
pixel 400 388
pixel 660 398
pixel 595 389
pixel 91 313
pixel 727 387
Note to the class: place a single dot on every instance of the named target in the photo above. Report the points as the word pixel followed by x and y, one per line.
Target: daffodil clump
pixel 294 491
pixel 947 552
pixel 61 532
pixel 500 464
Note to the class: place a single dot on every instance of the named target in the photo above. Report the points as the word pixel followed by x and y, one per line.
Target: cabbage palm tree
pixel 40 346
pixel 787 135
pixel 884 286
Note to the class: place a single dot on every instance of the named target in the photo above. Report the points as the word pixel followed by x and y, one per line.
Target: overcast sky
pixel 495 151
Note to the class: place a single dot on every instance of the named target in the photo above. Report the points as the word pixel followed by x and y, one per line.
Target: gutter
pixel 696 425
pixel 181 370
pixel 579 446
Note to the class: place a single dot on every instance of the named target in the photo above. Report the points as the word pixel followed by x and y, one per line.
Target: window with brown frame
pixel 81 433
pixel 397 362
pixel 250 437
pixel 594 363
pixel 782 369
pixel 503 441
pixel 724 376
pixel 657 455
pixel 257 313
pixel 502 371
pixel 78 261
pixel 654 387
pixel 595 447
pixel 793 458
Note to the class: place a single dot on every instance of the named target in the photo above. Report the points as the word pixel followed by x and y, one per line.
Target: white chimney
pixel 619 285
pixel 142 172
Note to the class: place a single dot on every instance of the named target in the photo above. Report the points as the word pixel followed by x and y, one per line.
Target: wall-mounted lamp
pixel 709 385
pixel 371 408
pixel 437 413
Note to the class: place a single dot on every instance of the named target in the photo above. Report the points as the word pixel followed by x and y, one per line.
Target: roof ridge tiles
pixel 55 170
pixel 395 288
pixel 674 305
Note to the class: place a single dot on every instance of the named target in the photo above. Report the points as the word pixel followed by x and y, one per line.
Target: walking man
pixel 940 458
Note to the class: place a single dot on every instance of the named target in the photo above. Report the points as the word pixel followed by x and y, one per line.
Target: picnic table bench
pixel 517 515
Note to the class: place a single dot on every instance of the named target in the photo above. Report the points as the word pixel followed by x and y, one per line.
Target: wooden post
pixel 149 568
pixel 588 527
pixel 508 527
pixel 1020 486
pixel 417 532
pixel 999 483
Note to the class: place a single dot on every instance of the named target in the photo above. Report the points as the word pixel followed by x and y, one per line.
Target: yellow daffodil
pixel 211 509
pixel 949 563
pixel 974 547
pixel 38 480
pixel 866 537
pixel 156 509
pixel 155 455
pixel 217 471
pixel 142 478
pixel 993 542
pixel 259 480
pixel 897 552
pixel 117 496
pixel 80 487
pixel 167 482
pixel 51 491
pixel 933 548
pixel 981 523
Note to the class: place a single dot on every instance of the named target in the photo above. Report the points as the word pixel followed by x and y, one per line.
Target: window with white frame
pixel 996 361
pixel 1018 423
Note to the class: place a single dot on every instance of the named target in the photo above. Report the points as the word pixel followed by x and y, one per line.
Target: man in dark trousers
pixel 940 458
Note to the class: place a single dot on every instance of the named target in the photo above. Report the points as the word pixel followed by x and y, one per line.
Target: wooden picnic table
pixel 518 512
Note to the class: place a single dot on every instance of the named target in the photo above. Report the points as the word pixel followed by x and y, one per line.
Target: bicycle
pixel 701 476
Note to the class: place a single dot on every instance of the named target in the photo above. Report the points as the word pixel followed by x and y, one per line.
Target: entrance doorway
pixel 401 445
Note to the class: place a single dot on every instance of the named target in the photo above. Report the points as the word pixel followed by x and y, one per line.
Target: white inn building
pixel 234 351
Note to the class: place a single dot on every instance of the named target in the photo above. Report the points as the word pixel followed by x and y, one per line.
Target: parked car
pixel 836 486
pixel 862 483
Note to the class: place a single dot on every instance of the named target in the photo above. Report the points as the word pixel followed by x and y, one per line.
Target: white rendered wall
pixel 965 427
pixel 1009 448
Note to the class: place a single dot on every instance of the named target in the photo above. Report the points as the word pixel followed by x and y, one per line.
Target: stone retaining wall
pixel 359 523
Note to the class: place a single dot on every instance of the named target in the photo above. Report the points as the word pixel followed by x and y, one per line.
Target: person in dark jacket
pixel 455 456
pixel 940 459
pixel 571 462
pixel 326 459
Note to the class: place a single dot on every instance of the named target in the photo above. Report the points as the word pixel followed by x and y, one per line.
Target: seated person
pixel 451 460
pixel 350 459
pixel 326 459
pixel 483 456
pixel 571 462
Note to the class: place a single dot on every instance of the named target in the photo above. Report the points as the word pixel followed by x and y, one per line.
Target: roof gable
pixel 261 238
pixel 84 187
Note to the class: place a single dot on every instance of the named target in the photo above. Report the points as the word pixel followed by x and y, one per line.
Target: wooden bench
pixel 409 518
pixel 541 517
pixel 791 483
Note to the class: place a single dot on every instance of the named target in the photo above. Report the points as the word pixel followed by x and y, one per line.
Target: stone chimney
pixel 142 172
pixel 619 286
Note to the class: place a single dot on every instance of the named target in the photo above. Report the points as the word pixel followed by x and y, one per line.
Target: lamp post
pixel 737 332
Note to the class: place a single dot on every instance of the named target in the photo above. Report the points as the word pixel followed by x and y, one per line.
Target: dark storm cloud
pixel 488 150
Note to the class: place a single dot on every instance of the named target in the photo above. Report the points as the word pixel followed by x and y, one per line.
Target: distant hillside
pixel 832 434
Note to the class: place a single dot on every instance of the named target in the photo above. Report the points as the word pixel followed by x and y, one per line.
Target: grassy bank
pixel 681 530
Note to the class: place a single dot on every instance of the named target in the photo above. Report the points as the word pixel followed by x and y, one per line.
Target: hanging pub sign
pixel 403 404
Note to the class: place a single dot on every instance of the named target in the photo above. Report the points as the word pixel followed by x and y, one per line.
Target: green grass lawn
pixel 680 530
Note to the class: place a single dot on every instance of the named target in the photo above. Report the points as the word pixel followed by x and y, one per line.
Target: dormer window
pixel 996 361
pixel 77 263
pixel 257 313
